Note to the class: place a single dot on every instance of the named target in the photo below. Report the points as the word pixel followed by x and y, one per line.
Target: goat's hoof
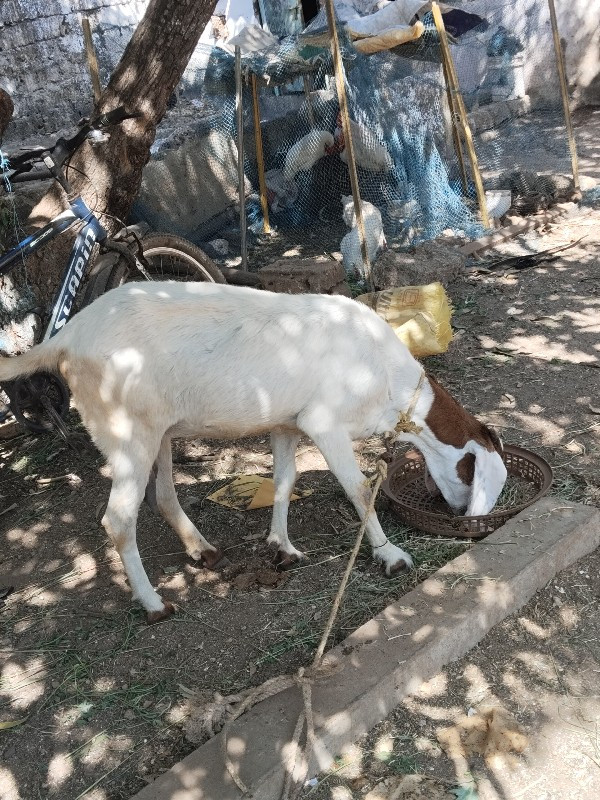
pixel 400 566
pixel 214 560
pixel 153 617
pixel 284 561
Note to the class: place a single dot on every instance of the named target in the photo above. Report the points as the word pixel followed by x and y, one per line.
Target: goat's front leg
pixel 128 486
pixel 195 544
pixel 336 447
pixel 284 477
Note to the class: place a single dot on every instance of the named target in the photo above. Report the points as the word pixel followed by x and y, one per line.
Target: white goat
pixel 149 362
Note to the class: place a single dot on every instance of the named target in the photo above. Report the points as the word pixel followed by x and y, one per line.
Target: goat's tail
pixel 44 356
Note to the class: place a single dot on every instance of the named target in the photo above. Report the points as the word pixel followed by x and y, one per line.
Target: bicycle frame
pixel 79 260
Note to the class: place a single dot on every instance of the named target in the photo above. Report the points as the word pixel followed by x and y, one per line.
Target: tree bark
pixel 6 110
pixel 148 72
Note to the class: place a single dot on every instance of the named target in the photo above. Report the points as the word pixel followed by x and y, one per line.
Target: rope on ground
pixel 293 785
pixel 220 710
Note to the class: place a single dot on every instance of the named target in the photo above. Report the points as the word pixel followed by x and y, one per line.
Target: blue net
pixel 399 133
pixel 410 177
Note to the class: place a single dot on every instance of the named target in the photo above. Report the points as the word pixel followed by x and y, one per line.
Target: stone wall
pixel 529 20
pixel 42 57
pixel 43 64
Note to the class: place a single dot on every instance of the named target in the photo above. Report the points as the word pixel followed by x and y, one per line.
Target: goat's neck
pixel 422 400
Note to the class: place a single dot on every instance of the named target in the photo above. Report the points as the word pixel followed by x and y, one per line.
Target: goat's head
pixel 463 457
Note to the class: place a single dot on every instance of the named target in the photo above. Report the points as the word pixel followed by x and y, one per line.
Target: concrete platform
pixel 392 654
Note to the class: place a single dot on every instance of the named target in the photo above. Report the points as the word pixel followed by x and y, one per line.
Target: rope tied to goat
pixel 222 712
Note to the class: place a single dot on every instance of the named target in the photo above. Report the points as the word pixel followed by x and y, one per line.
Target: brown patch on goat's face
pixel 466 468
pixel 454 425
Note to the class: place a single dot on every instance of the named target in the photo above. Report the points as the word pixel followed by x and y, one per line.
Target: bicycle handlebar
pixel 62 149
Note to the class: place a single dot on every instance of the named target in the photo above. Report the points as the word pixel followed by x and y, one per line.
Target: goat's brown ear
pixel 496 441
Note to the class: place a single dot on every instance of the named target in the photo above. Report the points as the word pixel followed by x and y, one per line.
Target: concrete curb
pixel 391 655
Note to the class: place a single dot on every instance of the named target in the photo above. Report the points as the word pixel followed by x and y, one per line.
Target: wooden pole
pixel 260 163
pixel 91 58
pixel 239 111
pixel 462 112
pixel 564 91
pixel 455 133
pixel 341 93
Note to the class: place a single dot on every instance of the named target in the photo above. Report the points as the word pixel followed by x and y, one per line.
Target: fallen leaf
pixel 464 793
pixel 10 508
pixel 408 787
pixel 171 570
pixel 12 723
pixel 248 492
pixel 593 409
pixel 252 536
pixel 488 733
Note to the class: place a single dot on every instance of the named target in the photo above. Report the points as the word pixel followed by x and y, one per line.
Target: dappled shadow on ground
pixel 541 665
pixel 527 353
pixel 94 693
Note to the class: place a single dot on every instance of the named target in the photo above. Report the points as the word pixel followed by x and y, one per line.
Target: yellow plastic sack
pixel 419 315
pixel 389 38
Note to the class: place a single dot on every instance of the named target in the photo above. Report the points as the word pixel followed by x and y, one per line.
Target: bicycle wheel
pixel 170 258
pixel 39 401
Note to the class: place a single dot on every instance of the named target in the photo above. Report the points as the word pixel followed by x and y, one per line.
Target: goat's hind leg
pixel 284 476
pixel 130 468
pixel 167 504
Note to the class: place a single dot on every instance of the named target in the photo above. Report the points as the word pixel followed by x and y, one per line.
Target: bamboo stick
pixel 564 91
pixel 455 133
pixel 91 58
pixel 239 111
pixel 260 162
pixel 462 112
pixel 341 92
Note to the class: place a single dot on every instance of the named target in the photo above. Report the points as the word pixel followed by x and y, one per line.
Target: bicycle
pixel 41 402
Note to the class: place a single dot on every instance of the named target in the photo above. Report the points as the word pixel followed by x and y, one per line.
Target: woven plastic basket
pixel 409 499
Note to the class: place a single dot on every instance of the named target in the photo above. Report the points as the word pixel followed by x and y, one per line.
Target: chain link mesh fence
pixel 409 174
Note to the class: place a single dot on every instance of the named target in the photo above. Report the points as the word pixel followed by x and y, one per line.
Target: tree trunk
pixel 148 72
pixel 6 110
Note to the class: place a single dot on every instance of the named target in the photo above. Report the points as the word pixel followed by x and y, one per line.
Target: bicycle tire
pixel 170 258
pixel 195 265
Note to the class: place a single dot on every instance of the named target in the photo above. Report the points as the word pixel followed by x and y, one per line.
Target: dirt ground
pixel 542 666
pixel 91 700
